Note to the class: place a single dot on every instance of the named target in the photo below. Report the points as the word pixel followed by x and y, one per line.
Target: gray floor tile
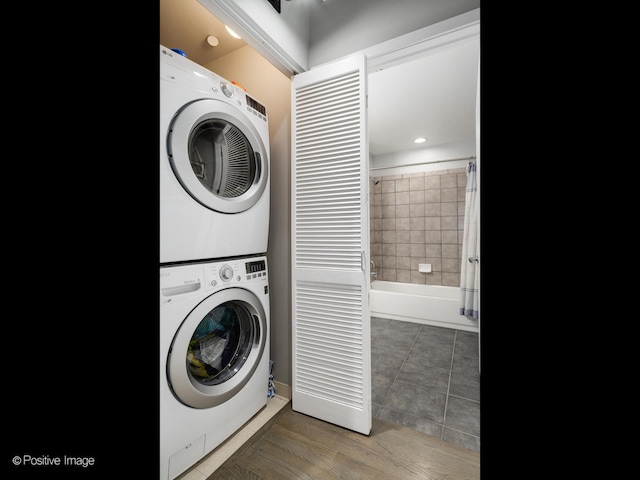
pixel 386 365
pixel 404 328
pixel 378 326
pixel 463 415
pixel 430 377
pixel 438 338
pixel 418 401
pixel 429 356
pixel 379 348
pixel 379 388
pixel 465 378
pixel 467 344
pixel 400 335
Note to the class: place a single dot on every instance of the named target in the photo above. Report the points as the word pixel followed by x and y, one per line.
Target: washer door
pixel 217 348
pixel 218 156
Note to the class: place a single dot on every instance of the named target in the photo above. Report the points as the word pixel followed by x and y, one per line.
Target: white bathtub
pixel 427 304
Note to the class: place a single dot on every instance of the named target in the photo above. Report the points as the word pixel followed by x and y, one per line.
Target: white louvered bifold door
pixel 330 245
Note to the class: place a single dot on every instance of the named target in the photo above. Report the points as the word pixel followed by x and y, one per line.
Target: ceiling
pixel 432 97
pixel 186 24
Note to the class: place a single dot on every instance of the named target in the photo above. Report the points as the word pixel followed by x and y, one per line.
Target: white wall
pixel 411 161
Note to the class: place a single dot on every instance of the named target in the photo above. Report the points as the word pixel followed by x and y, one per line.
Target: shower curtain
pixel 470 261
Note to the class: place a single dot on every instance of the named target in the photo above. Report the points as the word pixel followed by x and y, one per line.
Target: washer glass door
pixel 218 156
pixel 217 348
pixel 221 343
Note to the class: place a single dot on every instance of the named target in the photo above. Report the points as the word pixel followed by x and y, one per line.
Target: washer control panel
pixel 255 269
pixel 180 282
pixel 234 272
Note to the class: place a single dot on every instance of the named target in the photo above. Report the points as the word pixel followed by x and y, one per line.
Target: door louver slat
pixel 322 362
pixel 328 154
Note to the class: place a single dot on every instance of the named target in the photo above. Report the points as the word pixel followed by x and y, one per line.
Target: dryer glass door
pixel 222 158
pixel 218 156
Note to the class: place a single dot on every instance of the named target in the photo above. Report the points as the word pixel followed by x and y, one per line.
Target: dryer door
pixel 218 156
pixel 217 348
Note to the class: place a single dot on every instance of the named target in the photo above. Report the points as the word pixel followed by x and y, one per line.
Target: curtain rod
pixel 472 157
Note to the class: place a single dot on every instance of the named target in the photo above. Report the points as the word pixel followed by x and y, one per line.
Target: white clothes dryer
pixel 214 355
pixel 214 165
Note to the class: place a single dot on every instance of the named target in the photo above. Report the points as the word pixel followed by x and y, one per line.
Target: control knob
pixel 226 89
pixel 226 273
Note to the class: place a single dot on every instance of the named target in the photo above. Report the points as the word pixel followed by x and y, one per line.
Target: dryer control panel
pixel 176 68
pixel 221 88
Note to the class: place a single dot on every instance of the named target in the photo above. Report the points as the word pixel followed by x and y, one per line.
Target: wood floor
pixel 293 446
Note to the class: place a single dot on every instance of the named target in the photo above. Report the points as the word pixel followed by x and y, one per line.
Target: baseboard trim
pixel 282 390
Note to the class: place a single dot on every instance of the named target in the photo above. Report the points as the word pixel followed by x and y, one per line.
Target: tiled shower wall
pixel 418 218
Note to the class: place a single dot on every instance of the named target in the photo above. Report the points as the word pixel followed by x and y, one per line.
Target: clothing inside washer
pixel 221 343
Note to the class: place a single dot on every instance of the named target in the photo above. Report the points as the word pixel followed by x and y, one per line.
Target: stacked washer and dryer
pixel 214 292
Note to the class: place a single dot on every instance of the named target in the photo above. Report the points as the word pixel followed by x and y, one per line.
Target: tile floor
pixel 427 378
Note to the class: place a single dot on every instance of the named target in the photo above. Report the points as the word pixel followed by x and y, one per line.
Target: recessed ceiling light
pixel 420 140
pixel 232 33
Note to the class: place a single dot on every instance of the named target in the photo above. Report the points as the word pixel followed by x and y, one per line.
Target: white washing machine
pixel 214 165
pixel 214 355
